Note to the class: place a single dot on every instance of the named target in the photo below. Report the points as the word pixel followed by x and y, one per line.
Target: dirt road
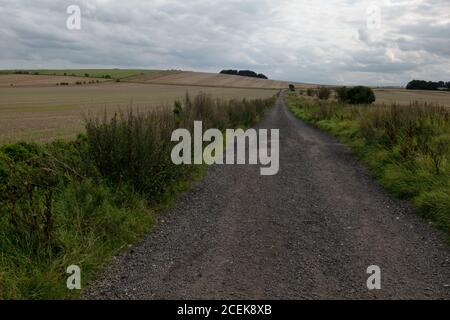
pixel 309 232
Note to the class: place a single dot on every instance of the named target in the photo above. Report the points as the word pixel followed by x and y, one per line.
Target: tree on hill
pixel 244 73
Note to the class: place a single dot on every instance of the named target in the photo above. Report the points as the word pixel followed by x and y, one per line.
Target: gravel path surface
pixel 309 232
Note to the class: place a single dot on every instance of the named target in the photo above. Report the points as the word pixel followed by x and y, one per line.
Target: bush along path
pixel 310 232
pixel 81 202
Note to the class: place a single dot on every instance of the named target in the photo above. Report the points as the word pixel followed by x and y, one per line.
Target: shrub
pixel 309 92
pixel 292 87
pixel 437 148
pixel 341 93
pixel 356 95
pixel 134 147
pixel 324 93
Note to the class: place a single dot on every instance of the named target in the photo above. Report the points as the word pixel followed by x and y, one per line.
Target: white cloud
pixel 311 41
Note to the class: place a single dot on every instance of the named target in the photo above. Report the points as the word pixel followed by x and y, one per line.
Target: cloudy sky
pixel 384 42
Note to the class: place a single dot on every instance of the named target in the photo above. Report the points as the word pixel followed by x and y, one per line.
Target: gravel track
pixel 309 232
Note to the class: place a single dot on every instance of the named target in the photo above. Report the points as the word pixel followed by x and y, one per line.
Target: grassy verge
pixel 80 202
pixel 406 147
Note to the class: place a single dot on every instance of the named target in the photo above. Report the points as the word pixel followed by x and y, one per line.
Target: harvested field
pixel 91 73
pixel 45 113
pixel 403 96
pixel 25 80
pixel 213 80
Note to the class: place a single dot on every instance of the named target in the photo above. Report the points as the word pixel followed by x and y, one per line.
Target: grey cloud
pixel 326 42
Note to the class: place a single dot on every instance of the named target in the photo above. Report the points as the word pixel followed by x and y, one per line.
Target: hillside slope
pixel 204 79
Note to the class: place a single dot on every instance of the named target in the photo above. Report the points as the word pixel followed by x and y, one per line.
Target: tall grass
pixel 134 148
pixel 80 202
pixel 407 147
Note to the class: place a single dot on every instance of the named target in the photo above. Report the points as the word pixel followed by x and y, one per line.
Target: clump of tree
pixel 244 73
pixel 291 87
pixel 309 92
pixel 428 85
pixel 356 95
pixel 323 93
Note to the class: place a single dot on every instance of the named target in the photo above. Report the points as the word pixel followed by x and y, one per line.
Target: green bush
pixel 323 93
pixel 341 93
pixel 356 95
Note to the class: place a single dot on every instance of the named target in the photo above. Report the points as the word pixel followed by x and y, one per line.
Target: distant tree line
pixel 428 85
pixel 244 73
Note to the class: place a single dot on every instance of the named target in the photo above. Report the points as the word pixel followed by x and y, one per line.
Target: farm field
pixel 213 80
pixel 42 113
pixel 25 80
pixel 92 73
pixel 33 107
pixel 405 97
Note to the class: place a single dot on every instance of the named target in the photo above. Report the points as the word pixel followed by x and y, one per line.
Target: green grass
pixel 406 147
pixel 82 201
